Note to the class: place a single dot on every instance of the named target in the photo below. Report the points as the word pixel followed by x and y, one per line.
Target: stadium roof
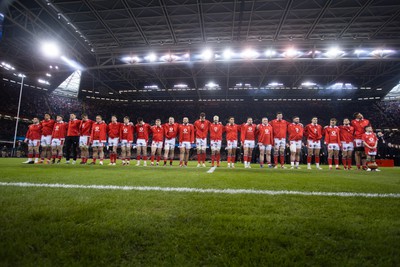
pixel 113 40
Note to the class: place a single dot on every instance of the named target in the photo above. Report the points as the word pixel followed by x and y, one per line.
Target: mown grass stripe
pixel 205 190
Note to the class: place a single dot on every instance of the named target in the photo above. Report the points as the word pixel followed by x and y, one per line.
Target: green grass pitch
pixel 92 227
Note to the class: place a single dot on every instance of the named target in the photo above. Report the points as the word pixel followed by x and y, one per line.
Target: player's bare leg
pixel 310 153
pixel 36 153
pixel 292 159
pixel 159 153
pixel 349 159
pixel 262 154
pixel 101 155
pixel 268 153
pixel 336 158
pixel 84 154
pixel 199 155
pixel 218 156
pixel 330 155
pixel 95 155
pixel 59 153
pixel 54 153
pixel 297 158
pixel 358 159
pixel 123 154
pixel 245 156
pixel 153 153
pixel 166 153
pixel 203 156
pixel 187 156
pixel 364 160
pixel 181 156
pixel 213 157
pixel 280 153
pixel 172 155
pixel 231 157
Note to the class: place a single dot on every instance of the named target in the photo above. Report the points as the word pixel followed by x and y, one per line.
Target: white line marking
pixel 211 170
pixel 207 190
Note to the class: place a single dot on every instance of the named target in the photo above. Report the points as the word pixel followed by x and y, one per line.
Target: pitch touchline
pixel 209 190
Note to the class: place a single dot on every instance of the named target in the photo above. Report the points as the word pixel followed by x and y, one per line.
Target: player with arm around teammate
pixel 201 127
pixel 156 145
pixel 126 136
pixel 232 131
pixel 216 131
pixel 279 126
pixel 332 140
pixel 45 141
pixel 33 140
pixel 186 139
pixel 313 133
pixel 248 139
pixel 171 129
pixel 265 141
pixel 142 130
pixel 98 139
pixel 296 131
pixel 347 139
pixel 58 138
pixel 85 129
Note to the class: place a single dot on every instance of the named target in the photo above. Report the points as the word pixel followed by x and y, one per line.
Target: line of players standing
pixel 52 135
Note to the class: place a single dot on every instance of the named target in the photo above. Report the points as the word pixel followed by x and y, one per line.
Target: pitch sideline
pixel 206 190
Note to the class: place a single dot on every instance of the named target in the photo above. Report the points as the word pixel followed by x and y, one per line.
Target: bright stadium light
pixel 308 84
pixel 274 84
pixel 359 52
pixel 270 53
pixel 75 65
pixel 334 52
pixel 169 57
pixel 151 87
pixel 180 85
pixel 6 66
pixel 291 52
pixel 151 57
pixel 249 54
pixel 50 49
pixel 207 54
pixel 382 52
pixel 212 85
pixel 48 74
pixel 43 81
pixel 227 54
pixel 131 59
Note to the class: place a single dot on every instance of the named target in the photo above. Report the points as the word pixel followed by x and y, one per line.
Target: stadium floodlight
pixel 48 74
pixel 7 66
pixel 50 49
pixel 75 65
pixel 207 55
pixel 169 58
pixel 308 84
pixel 334 52
pixel 291 52
pixel 151 87
pixel 227 54
pixel 21 75
pixel 382 52
pixel 151 57
pixel 180 85
pixel 212 85
pixel 270 53
pixel 43 81
pixel 131 59
pixel 250 54
pixel 274 84
pixel 359 52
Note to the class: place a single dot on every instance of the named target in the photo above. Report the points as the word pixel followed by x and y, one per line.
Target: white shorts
pixel 215 144
pixel 97 143
pixel 126 143
pixel 35 142
pixel 279 142
pixel 169 143
pixel 265 147
pixel 201 143
pixel 295 145
pixel 57 142
pixel 156 144
pixel 314 144
pixel 186 145
pixel 333 147
pixel 347 146
pixel 231 144
pixel 359 142
pixel 84 140
pixel 45 140
pixel 141 142
pixel 249 143
pixel 113 141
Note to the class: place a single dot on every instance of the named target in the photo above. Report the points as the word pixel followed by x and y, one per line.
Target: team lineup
pixel 52 135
